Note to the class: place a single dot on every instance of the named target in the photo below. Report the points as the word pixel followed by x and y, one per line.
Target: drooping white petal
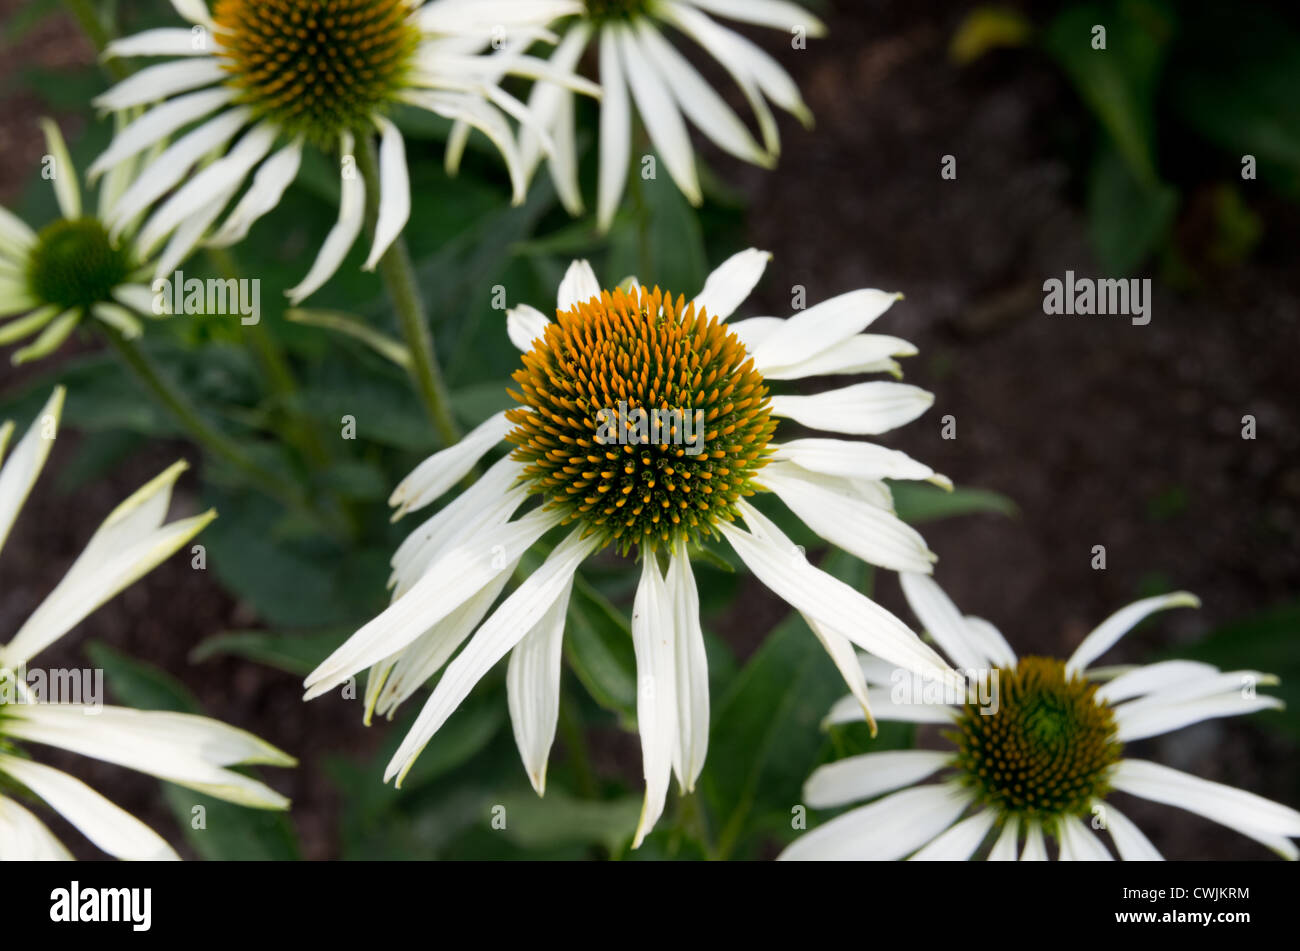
pixel 158 123
pixel 886 830
pixel 269 185
pixel 1153 677
pixel 845 658
pixel 25 463
pixel 159 82
pixel 1143 719
pixel 864 409
pixel 111 828
pixel 499 633
pixel 731 283
pixel 959 843
pixel 692 666
pixel 615 132
pixel 166 41
pixel 66 189
pixel 775 561
pixel 524 325
pixel 868 775
pixel 119 318
pixel 190 232
pixel 839 516
pixel 533 689
pixel 822 326
pixel 50 339
pixel 774 13
pixel 1104 636
pixel 394 191
pixel 131 542
pixel 352 211
pixel 660 114
pixel 452 580
pixel 578 287
pixel 24 838
pixel 137 297
pixel 484 117
pixel 15 236
pixel 656 701
pixel 942 620
pixel 1005 848
pixel 1078 844
pixel 1263 820
pixel 431 478
pixel 1130 842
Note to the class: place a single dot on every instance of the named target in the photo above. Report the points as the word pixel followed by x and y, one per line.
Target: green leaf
pixel 918 502
pixel 598 646
pixel 987 28
pixel 297 654
pixel 1128 218
pixel 558 819
pixel 140 685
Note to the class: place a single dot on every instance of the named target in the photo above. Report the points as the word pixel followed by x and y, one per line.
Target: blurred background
pixel 1071 432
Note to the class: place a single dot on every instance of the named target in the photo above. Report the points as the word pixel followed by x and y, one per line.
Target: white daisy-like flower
pixel 191 751
pixel 75 268
pixel 260 80
pixel 1037 751
pixel 665 89
pixel 681 472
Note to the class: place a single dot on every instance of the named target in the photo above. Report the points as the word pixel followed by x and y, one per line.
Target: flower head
pixel 259 81
pixel 646 422
pixel 191 751
pixel 1038 749
pixel 73 269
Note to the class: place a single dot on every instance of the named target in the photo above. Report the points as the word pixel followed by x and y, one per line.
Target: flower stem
pixel 399 276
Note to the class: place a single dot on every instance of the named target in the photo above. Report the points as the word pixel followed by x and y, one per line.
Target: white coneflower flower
pixel 191 751
pixel 1037 754
pixel 285 74
pixel 665 89
pixel 72 269
pixel 585 375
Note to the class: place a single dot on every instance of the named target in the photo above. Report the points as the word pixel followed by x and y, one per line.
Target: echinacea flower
pixel 283 75
pixel 1036 754
pixel 702 444
pixel 666 90
pixel 191 751
pixel 75 268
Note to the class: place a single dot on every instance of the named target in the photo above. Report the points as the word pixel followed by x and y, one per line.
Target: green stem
pixel 86 16
pixel 399 276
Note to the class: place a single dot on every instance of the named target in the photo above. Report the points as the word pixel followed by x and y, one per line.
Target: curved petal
pixel 394 191
pixel 24 838
pixel 656 702
pixel 864 409
pixel 868 775
pixel 445 468
pixel 1104 636
pixel 525 325
pixel 886 830
pixel 730 283
pixel 533 689
pixel 615 132
pixel 692 682
pixel 959 843
pixel 579 286
pixel 25 463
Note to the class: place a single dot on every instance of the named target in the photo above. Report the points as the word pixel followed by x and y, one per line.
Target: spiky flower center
pixel 316 67
pixel 642 418
pixel 75 264
pixel 602 11
pixel 1048 749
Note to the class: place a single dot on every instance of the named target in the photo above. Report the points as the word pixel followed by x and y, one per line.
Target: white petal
pixel 394 192
pixel 352 212
pixel 777 563
pixel 158 123
pixel 66 189
pixel 1104 636
pixel 1261 819
pixel 190 232
pixel 731 283
pixel 615 133
pixel 15 235
pixel 1035 848
pixel 659 112
pixel 119 318
pixel 1153 677
pixel 488 120
pixel 112 829
pixel 774 13
pixel 820 327
pixel 868 775
pixel 167 41
pixel 851 459
pixel 431 478
pixel 499 633
pixel 138 297
pixel 656 702
pixel 692 683
pixel 845 658
pixel 990 641
pixel 26 461
pixel 1136 723
pixel 849 709
pixel 533 689
pixel 1078 844
pixel 525 325
pixel 131 542
pixel 942 620
pixel 1129 840
pixel 196 11
pixel 24 838
pixel 451 581
pixel 886 830
pixel 578 287
pixel 1004 849
pixel 861 353
pixel 844 520
pixel 959 843
pixel 269 184
pixel 159 82
pixel 864 409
